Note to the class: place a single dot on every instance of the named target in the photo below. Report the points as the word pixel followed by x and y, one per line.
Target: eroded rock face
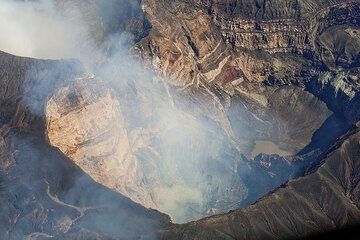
pixel 242 38
pixel 85 122
pixel 276 26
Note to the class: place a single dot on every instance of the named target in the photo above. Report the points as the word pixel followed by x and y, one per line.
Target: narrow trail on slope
pixel 35 235
pixel 58 201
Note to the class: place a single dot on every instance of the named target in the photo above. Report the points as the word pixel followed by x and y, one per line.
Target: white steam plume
pixel 37 29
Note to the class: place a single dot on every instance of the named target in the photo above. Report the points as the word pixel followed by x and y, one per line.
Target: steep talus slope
pixel 43 193
pixel 321 201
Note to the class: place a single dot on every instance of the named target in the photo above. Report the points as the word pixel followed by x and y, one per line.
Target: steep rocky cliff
pixel 196 52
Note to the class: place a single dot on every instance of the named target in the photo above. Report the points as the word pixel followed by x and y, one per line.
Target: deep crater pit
pixel 170 159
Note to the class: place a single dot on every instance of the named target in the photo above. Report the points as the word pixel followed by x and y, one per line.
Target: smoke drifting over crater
pixel 125 126
pixel 115 118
